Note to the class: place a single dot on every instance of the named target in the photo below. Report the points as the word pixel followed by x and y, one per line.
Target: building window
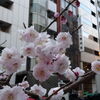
pixel 1 48
pixel 92 2
pixel 38 9
pixel 94 26
pixel 4 26
pixel 50 14
pixel 96 53
pixel 92 13
pixel 39 28
pixel 54 1
pixel 95 39
pixel 6 3
pixel 88 50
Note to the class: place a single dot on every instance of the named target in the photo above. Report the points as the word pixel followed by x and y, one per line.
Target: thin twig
pixel 24 25
pixel 79 81
pixel 58 90
pixel 59 16
pixel 77 29
pixel 69 86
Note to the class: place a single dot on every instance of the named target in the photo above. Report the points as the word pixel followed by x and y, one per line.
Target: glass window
pixel 39 9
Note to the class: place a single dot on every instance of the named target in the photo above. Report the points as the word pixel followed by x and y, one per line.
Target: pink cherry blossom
pixel 61 64
pixel 24 84
pixel 77 3
pixel 38 90
pixel 12 65
pixel 15 93
pixel 56 14
pixel 29 34
pixel 41 72
pixel 70 75
pixel 58 95
pixel 70 13
pixel 78 71
pixel 29 50
pixel 42 39
pixel 96 66
pixel 63 20
pixel 43 55
pixel 64 39
pixel 9 53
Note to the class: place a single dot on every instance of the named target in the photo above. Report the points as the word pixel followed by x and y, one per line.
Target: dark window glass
pixel 94 26
pixel 1 48
pixel 54 1
pixel 95 39
pixel 92 2
pixel 93 13
pixel 4 26
pixel 50 14
pixel 91 51
pixel 96 53
pixel 6 3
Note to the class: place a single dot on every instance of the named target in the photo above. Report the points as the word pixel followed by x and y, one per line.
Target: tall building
pixel 89 38
pixel 12 15
pixel 98 22
pixel 42 13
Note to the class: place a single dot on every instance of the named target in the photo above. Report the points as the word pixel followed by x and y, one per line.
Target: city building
pixel 98 22
pixel 12 15
pixel 89 38
pixel 42 13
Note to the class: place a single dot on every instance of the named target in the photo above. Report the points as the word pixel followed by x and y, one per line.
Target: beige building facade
pixel 89 38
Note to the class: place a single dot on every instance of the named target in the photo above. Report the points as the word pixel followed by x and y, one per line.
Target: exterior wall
pixel 87 33
pixel 15 16
pixel 98 20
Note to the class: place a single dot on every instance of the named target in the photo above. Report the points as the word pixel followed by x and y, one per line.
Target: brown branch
pixel 70 86
pixel 59 15
pixel 32 95
pixel 79 81
pixel 58 90
pixel 77 29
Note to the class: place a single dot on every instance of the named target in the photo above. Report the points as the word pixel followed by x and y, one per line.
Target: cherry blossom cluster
pixel 49 53
pixel 50 56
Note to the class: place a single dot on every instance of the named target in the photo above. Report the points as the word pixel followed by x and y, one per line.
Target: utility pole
pixel 59 25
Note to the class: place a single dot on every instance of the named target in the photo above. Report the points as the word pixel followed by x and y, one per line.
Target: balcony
pixel 53 26
pixel 91 44
pixel 52 6
pixel 6 3
pixel 87 57
pixel 6 15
